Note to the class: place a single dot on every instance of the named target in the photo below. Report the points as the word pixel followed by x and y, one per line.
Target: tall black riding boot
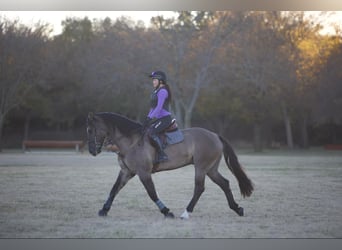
pixel 161 156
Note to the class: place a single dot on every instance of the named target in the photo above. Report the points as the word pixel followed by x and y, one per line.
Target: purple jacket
pixel 159 110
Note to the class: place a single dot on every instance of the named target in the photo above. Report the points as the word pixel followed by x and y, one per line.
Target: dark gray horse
pixel 200 147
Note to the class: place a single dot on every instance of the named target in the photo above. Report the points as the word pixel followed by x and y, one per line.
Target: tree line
pixel 262 76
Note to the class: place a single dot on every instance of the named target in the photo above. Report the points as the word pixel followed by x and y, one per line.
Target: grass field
pixel 58 194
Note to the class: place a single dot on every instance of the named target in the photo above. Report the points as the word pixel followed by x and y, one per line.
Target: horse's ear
pixel 90 116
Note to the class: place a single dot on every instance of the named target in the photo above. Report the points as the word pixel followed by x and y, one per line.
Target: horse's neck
pixel 125 143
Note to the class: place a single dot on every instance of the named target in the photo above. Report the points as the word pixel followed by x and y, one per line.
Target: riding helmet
pixel 160 75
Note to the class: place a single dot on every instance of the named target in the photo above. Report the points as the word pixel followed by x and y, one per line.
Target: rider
pixel 159 118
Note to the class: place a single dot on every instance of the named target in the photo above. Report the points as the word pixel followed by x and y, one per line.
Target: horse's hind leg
pixel 217 178
pixel 199 189
pixel 123 177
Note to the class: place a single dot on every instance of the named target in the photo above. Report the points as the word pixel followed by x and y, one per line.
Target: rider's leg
pixel 158 127
pixel 161 155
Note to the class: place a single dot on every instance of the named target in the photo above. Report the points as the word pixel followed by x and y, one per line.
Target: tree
pixel 328 96
pixel 21 63
pixel 257 64
pixel 222 109
pixel 118 63
pixel 192 39
pixel 274 64
pixel 307 53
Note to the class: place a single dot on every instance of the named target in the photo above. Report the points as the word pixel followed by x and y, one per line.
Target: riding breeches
pixel 160 125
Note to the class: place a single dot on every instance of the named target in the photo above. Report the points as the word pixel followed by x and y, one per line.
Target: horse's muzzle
pixel 93 148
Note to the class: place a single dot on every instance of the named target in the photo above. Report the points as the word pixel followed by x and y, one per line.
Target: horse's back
pixel 201 135
pixel 203 141
pixel 203 146
pixel 199 145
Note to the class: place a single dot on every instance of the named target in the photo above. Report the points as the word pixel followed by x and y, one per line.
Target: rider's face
pixel 155 83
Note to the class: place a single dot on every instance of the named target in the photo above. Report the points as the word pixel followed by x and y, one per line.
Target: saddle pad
pixel 174 137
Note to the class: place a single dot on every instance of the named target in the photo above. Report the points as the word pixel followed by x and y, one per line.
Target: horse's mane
pixel 125 125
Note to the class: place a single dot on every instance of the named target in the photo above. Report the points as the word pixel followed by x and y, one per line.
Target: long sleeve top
pixel 159 104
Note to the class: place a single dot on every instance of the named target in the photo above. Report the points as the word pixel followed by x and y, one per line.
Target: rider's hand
pixel 147 123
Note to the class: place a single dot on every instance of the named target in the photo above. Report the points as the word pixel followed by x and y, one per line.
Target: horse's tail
pixel 245 184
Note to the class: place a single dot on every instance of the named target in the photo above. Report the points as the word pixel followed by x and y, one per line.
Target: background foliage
pixel 261 77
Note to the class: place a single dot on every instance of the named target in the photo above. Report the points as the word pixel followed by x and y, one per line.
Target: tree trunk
pixel 187 119
pixel 288 128
pixel 178 113
pixel 222 127
pixel 333 133
pixel 257 137
pixel 2 119
pixel 304 132
pixel 27 126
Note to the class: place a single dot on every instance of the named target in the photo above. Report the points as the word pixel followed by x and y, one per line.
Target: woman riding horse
pixel 200 147
pixel 159 118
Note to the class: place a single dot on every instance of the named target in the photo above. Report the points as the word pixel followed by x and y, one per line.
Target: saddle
pixel 173 126
pixel 171 135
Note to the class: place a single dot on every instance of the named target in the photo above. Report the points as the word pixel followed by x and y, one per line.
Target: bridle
pixel 95 141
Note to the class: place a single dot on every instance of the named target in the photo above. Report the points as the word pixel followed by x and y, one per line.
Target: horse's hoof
pixel 240 211
pixel 170 215
pixel 102 213
pixel 185 215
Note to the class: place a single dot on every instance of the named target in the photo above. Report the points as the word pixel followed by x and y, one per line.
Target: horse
pixel 200 147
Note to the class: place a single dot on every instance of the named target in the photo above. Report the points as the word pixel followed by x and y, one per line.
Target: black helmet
pixel 160 75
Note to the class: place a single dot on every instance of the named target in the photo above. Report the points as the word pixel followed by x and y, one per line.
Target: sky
pixel 54 18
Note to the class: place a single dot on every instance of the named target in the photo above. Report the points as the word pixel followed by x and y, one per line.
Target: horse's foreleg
pixel 146 180
pixel 122 179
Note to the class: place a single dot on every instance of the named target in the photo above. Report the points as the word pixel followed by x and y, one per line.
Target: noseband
pixel 98 144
